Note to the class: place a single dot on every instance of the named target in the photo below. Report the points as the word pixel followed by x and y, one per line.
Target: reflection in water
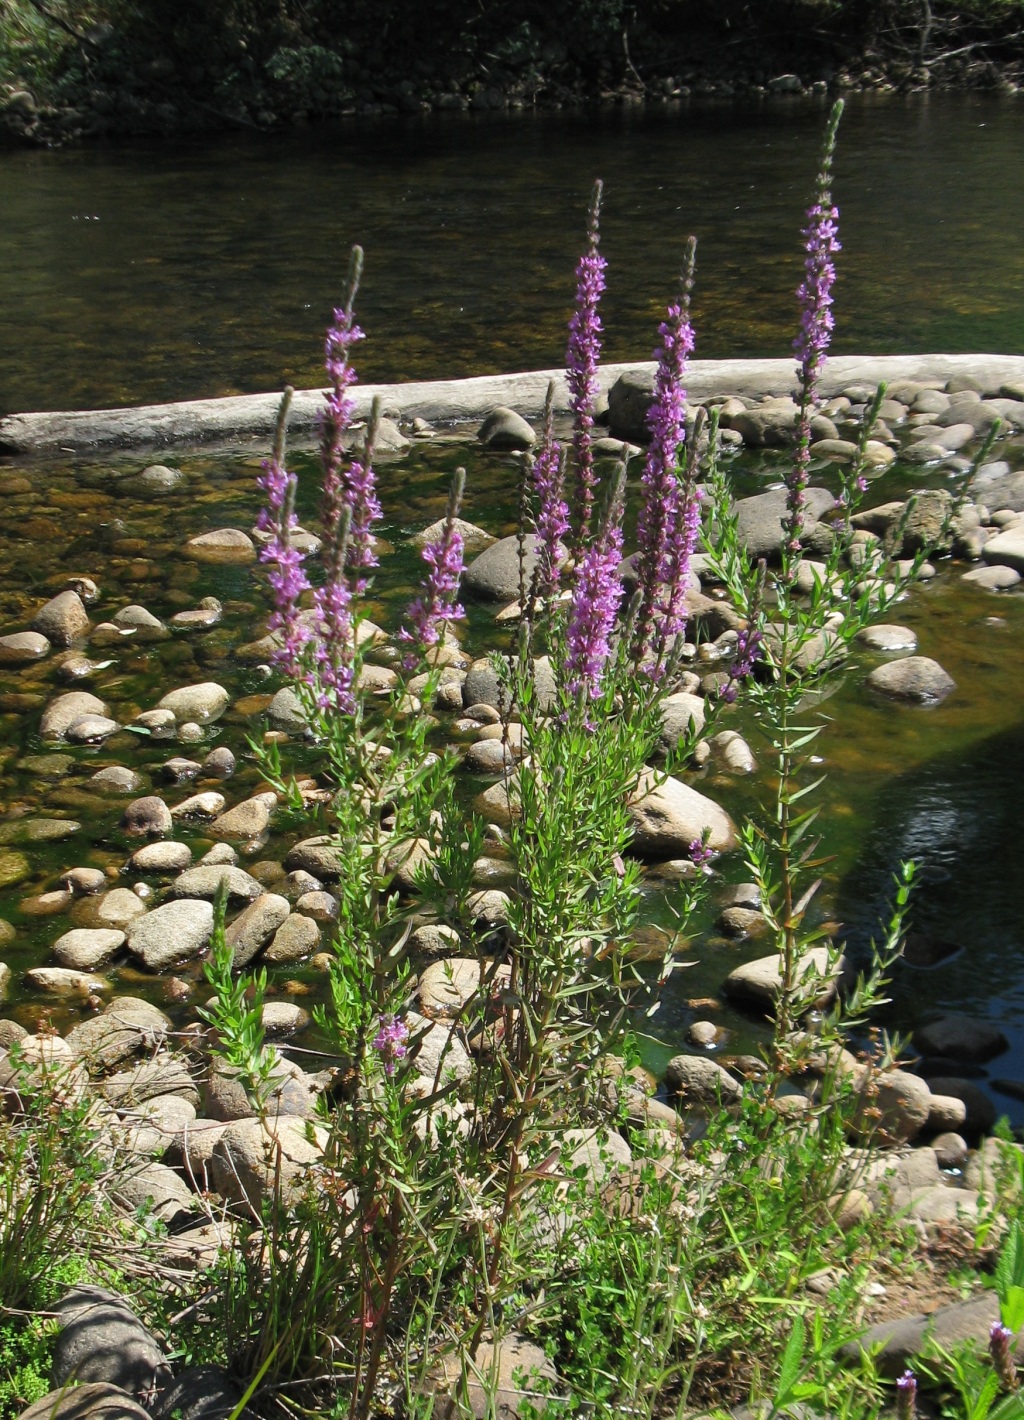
pixel 959 817
pixel 137 273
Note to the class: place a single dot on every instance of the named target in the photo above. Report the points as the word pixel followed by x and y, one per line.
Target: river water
pixel 134 274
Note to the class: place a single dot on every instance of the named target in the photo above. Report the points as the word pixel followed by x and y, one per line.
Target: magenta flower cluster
pixel 390 1042
pixel 596 597
pixel 906 1396
pixel 669 519
pixel 1000 1348
pixel 821 245
pixel 349 510
pixel 428 614
pixel 581 362
pixel 548 477
pixel 285 574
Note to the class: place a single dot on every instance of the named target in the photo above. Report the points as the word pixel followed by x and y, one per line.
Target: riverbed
pixel 129 275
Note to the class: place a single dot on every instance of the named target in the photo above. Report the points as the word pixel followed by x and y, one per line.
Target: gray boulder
pixel 62 620
pixel 200 703
pixel 148 817
pixel 1006 549
pixel 205 879
pixel 483 687
pixel 174 932
pixel 22 648
pixel 962 1038
pixel 699 1081
pixel 917 679
pixel 494 575
pixel 100 1338
pixel 760 520
pixel 200 1393
pixel 161 1191
pixel 96 1400
pixel 505 429
pixel 128 1025
pixel 256 1161
pixel 64 712
pixel 253 928
pixel 88 948
pixel 296 938
pixel 669 816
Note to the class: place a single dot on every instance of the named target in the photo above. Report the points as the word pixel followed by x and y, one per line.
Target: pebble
pixel 64 981
pixel 91 729
pixel 167 857
pixel 993 579
pixel 204 702
pixel 23 648
pixel 116 779
pixel 84 880
pixel 148 817
pixel 888 638
pixel 224 547
pixel 918 679
pixel 64 712
pixel 205 878
pixel 201 806
pixel 86 949
pixel 62 620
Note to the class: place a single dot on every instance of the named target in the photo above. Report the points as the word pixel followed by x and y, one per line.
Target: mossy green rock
pixel 14 868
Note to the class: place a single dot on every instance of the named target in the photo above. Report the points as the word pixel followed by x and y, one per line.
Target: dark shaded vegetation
pixel 88 67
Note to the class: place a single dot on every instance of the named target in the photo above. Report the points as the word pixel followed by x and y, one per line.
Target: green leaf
pixel 792 1362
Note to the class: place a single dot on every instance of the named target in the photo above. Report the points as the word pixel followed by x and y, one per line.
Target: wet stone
pixel 116 779
pixel 88 949
pixel 62 620
pixel 168 857
pixel 888 638
pixel 66 710
pixel 91 729
pixel 23 648
pixel 84 880
pixel 114 909
pixel 148 816
pixel 204 880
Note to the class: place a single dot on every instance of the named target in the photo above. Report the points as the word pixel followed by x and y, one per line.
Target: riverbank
pixel 79 82
pixel 450 402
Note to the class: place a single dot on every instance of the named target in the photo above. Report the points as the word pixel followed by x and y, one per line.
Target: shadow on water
pixel 958 817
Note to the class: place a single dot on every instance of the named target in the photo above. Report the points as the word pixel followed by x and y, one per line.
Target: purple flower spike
pixel 595 605
pixel 906 1396
pixel 1000 1348
pixel 352 485
pixel 548 475
pixel 821 244
pixel 428 614
pixel 389 1042
pixel 581 361
pixel 669 519
pixel 699 854
pixel 286 576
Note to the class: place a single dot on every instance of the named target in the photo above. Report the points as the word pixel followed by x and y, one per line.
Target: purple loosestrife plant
pixel 581 360
pixel 669 518
pixel 349 483
pixel 597 595
pixel 552 519
pixel 1000 1349
pixel 389 1042
pixel 906 1396
pixel 428 615
pixel 821 244
pixel 286 576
